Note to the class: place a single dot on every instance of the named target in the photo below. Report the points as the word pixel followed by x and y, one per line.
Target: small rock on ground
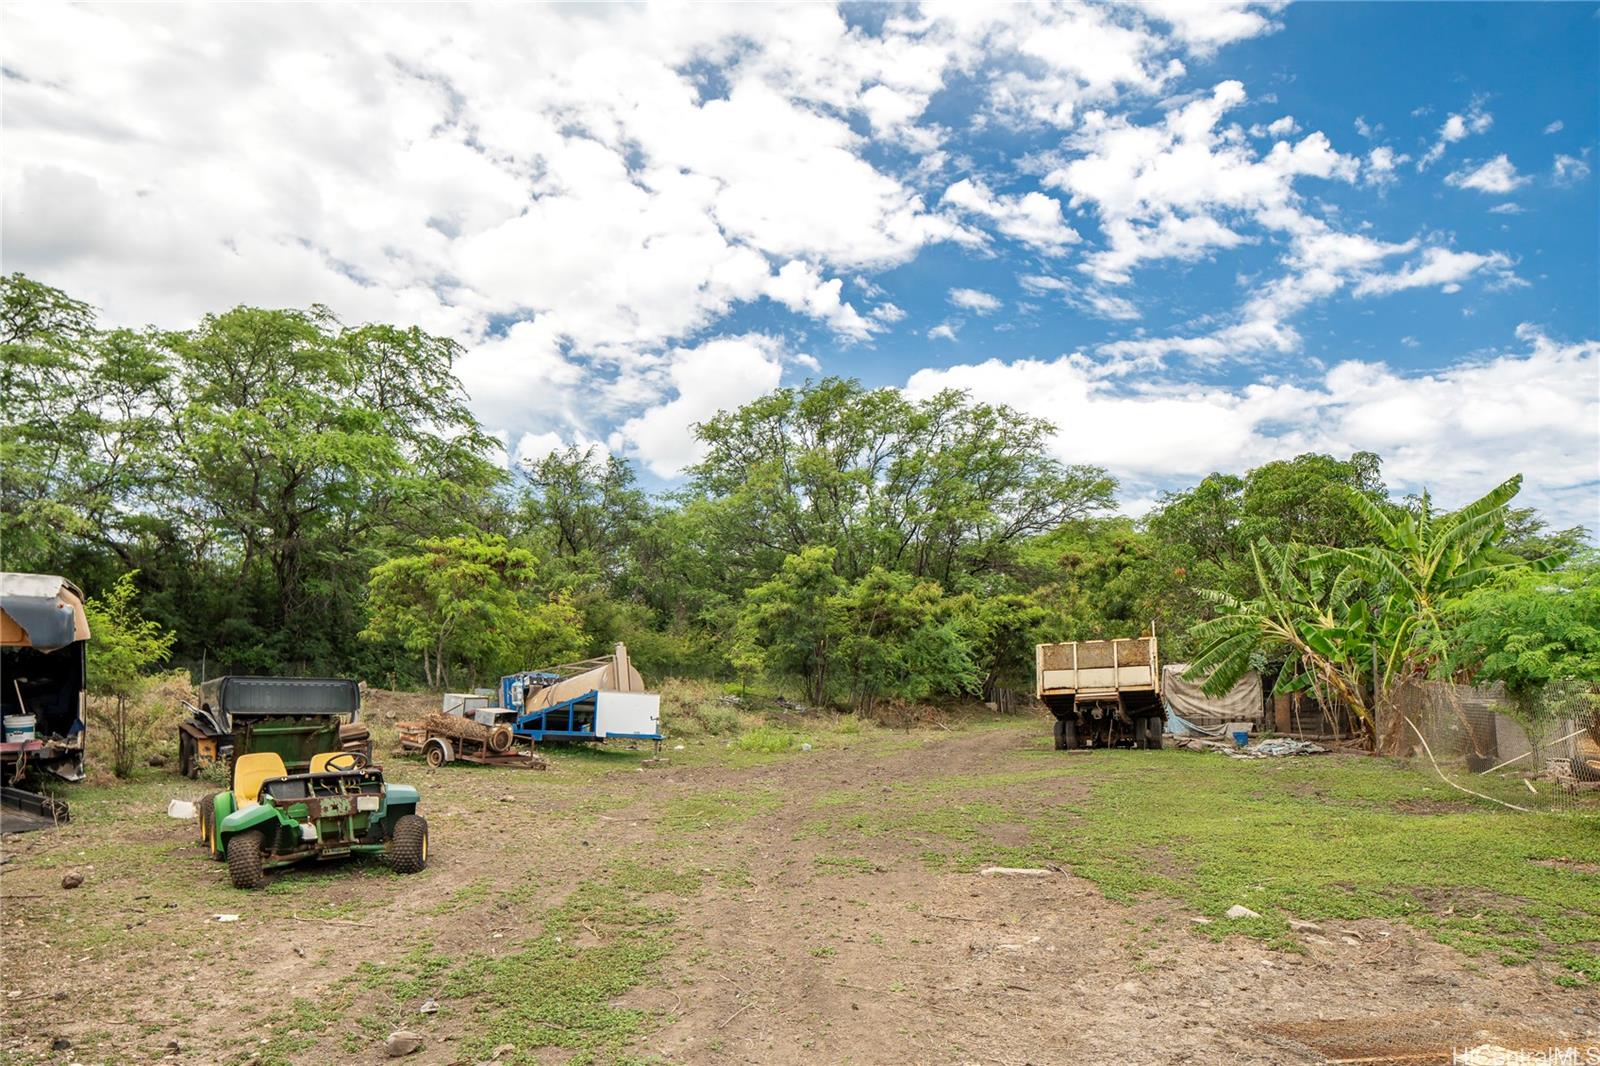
pixel 72 880
pixel 1013 871
pixel 1239 910
pixel 402 1042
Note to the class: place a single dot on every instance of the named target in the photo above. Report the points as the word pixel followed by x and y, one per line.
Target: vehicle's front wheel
pixel 408 850
pixel 208 817
pixel 246 864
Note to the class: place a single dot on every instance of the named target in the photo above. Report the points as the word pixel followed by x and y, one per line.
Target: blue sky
pixel 1194 237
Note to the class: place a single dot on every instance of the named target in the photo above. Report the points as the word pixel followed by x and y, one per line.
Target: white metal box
pixel 636 714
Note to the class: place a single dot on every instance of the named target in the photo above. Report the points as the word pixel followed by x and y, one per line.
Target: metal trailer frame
pixel 440 749
pixel 573 719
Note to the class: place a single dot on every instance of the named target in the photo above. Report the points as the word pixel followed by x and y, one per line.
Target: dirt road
pixel 811 906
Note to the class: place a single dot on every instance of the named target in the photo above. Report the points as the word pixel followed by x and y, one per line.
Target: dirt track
pixel 799 942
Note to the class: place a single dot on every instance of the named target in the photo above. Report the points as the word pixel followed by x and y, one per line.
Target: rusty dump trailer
pixel 1102 693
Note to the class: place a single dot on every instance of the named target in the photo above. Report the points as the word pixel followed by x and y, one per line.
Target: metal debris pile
pixel 1276 748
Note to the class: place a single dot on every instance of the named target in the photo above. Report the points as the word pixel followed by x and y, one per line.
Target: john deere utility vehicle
pixel 341 806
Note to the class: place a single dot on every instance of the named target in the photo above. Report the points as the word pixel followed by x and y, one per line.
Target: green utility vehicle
pixel 297 717
pixel 340 806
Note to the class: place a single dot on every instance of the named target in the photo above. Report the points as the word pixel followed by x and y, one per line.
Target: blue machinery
pixel 594 714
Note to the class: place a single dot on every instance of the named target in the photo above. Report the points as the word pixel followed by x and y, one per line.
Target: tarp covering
pixel 1242 703
pixel 40 611
pixel 616 675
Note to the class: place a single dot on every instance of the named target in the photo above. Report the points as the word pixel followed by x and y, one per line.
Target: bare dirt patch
pixel 780 937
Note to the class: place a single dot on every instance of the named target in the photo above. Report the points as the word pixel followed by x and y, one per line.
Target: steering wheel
pixel 337 764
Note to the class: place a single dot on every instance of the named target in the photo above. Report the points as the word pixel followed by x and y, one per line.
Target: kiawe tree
pixel 939 488
pixel 469 600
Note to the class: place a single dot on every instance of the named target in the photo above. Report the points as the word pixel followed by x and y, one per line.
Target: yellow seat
pixel 319 762
pixel 250 772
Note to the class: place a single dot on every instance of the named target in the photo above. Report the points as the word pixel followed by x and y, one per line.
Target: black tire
pixel 437 752
pixel 1066 734
pixel 1061 735
pixel 408 848
pixel 1153 734
pixel 245 862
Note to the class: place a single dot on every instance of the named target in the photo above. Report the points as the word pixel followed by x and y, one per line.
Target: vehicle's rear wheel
pixel 437 752
pixel 1152 734
pixel 246 865
pixel 1066 734
pixel 408 850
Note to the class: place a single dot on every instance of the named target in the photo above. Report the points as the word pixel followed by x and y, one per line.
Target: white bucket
pixel 18 727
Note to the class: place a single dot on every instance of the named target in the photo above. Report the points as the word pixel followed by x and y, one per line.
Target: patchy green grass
pixel 768 740
pixel 1320 839
pixel 723 807
pixel 552 991
pixel 846 863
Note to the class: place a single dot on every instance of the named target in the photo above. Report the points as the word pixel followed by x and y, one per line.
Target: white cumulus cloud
pixel 1498 176
pixel 719 375
pixel 1456 432
pixel 975 300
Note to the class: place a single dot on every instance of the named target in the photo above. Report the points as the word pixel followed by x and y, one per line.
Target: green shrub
pixel 767 740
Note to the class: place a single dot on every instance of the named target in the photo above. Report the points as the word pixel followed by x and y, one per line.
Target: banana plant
pixel 1421 560
pixel 1310 611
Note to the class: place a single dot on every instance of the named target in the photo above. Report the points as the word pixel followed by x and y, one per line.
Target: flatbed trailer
pixel 594 700
pixel 442 739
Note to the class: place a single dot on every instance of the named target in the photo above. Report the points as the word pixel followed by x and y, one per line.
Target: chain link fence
pixel 1548 760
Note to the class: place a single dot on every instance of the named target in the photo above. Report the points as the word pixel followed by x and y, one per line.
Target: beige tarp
pixel 1242 703
pixel 616 675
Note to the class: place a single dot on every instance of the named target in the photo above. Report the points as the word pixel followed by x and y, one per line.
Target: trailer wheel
pixel 1152 734
pixel 1066 734
pixel 408 850
pixel 437 752
pixel 245 863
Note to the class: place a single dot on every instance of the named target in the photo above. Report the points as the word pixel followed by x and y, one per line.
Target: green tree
pixel 469 600
pixel 1536 632
pixel 1421 560
pixel 123 648
pixel 1308 612
pixel 785 623
pixel 938 488
pixel 1200 538
pixel 79 428
pixel 898 636
pixel 300 438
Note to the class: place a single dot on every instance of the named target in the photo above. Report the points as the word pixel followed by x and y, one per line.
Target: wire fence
pixel 1545 761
